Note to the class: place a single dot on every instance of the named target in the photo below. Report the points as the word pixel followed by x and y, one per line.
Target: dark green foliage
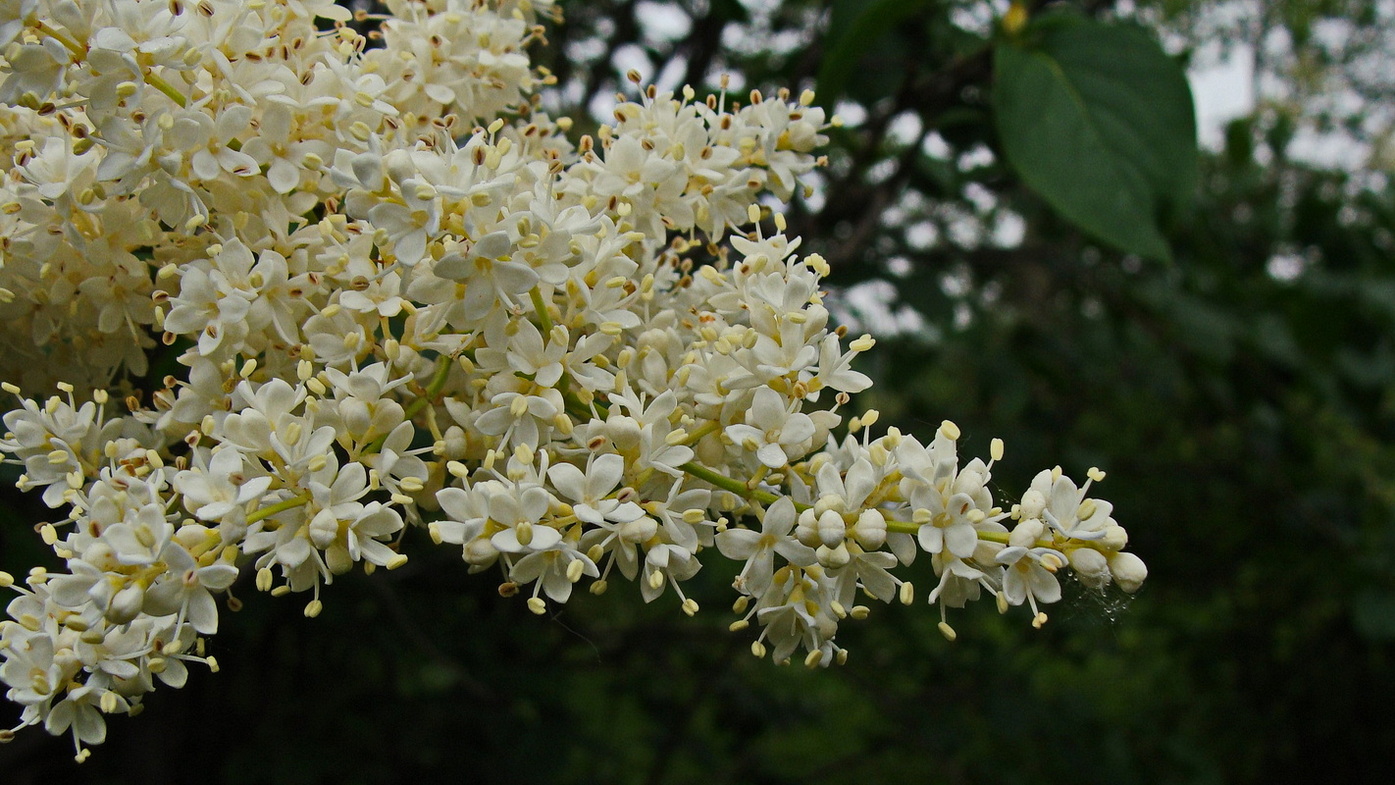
pixel 1098 120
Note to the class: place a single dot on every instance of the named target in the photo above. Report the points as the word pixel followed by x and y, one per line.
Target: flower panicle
pixel 402 297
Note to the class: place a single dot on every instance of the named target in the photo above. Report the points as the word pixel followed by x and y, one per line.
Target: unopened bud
pixel 1089 564
pixel 1129 571
pixel 1115 537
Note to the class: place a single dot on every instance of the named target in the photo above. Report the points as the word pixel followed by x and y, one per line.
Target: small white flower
pixel 774 433
pixel 1031 574
pixel 222 488
pixel 186 588
pixel 758 549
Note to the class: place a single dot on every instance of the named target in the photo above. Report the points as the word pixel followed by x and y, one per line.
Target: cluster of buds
pixel 406 304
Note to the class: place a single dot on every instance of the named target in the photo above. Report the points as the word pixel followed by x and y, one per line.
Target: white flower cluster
pixel 569 360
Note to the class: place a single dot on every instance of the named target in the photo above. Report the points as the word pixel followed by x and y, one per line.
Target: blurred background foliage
pixel 1240 395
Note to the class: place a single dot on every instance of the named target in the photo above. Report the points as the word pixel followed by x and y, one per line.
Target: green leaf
pixel 1098 120
pixel 858 28
pixel 1373 614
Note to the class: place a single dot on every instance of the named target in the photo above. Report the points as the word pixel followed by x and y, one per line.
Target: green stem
pixel 80 53
pixel 908 527
pixel 281 506
pixel 902 527
pixel 544 318
pixel 582 411
pixel 168 89
pixel 735 486
pixel 545 324
pixel 433 387
pixel 696 436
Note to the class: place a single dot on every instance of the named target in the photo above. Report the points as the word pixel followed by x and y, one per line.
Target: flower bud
pixel 339 561
pixel 870 529
pixel 1032 504
pixel 1115 538
pixel 969 482
pixel 126 605
pixel 831 528
pixel 480 551
pixel 1026 533
pixel 639 530
pixel 623 431
pixel 354 412
pixel 807 531
pixel 1129 571
pixel 834 557
pixel 1090 566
